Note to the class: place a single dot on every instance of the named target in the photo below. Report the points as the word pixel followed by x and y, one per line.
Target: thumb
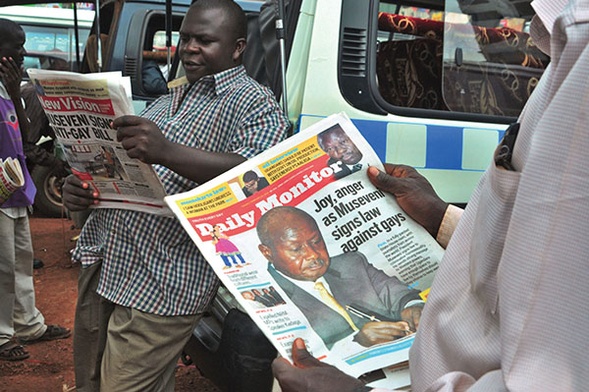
pixel 301 357
pixel 384 181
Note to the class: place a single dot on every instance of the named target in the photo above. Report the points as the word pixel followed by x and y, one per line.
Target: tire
pixel 48 199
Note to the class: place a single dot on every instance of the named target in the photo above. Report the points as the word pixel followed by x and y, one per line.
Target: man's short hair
pixel 275 216
pixel 9 29
pixel 250 175
pixel 236 17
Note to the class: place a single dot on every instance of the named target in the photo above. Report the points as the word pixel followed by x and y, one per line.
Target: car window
pixel 50 33
pixel 458 56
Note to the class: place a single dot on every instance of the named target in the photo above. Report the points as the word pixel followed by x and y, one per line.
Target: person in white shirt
pixel 506 309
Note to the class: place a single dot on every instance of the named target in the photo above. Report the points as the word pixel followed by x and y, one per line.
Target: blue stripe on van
pixel 444 147
pixel 375 133
pixel 444 144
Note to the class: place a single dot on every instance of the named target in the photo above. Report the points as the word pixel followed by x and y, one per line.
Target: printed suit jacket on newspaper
pixel 352 281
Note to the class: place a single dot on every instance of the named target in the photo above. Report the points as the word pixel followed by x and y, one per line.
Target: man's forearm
pixel 199 165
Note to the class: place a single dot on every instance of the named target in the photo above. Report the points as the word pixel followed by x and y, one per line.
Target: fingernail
pixel 299 344
pixel 373 170
pixel 95 194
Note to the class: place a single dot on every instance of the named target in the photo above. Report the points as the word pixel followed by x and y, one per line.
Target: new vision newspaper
pixel 80 108
pixel 354 239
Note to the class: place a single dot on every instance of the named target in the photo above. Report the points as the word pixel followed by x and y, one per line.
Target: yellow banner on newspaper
pixel 96 89
pixel 288 161
pixel 214 200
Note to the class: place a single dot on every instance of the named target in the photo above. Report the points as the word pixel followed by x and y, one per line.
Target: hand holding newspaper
pixel 80 109
pixel 11 178
pixel 311 249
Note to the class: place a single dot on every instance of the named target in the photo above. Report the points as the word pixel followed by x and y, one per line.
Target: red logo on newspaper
pixel 71 104
pixel 290 190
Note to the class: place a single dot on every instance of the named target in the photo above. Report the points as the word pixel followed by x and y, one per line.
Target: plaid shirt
pixel 149 262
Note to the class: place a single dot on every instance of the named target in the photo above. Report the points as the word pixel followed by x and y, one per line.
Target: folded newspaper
pixel 311 249
pixel 11 178
pixel 80 109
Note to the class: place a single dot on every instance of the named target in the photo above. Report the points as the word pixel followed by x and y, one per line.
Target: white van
pixel 429 83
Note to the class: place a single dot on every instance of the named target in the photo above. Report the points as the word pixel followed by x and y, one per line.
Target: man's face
pixel 14 46
pixel 298 251
pixel 247 295
pixel 339 147
pixel 59 65
pixel 207 44
pixel 252 186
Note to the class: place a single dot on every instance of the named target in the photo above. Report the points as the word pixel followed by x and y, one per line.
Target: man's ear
pixel 240 45
pixel 266 252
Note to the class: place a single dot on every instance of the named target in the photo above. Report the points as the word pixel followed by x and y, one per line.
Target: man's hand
pixel 11 75
pixel 376 332
pixel 61 168
pixel 414 194
pixel 142 139
pixel 77 195
pixel 308 374
pixel 412 315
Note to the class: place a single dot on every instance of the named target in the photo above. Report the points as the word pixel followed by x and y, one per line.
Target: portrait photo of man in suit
pixel 340 296
pixel 341 150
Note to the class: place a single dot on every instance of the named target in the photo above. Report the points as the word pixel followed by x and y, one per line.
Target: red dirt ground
pixel 50 367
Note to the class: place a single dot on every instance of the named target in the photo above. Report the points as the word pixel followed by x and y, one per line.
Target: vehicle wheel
pixel 48 199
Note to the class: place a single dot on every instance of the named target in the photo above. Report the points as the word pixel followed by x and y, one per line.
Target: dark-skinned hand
pixel 78 195
pixel 377 332
pixel 308 374
pixel 142 139
pixel 11 75
pixel 413 192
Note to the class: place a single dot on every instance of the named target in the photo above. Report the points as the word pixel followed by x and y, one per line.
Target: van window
pixel 490 63
pixel 154 56
pixel 456 59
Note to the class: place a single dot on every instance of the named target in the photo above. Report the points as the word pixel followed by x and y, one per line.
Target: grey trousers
pixel 122 349
pixel 90 326
pixel 18 314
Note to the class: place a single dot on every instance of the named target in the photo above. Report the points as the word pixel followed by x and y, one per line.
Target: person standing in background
pixel 19 317
pixel 517 264
pixel 143 281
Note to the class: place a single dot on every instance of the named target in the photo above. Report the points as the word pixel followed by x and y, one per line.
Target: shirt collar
pixel 306 285
pixel 225 79
pixel 220 81
pixel 548 11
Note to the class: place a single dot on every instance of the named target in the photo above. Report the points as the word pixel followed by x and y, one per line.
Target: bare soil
pixel 50 366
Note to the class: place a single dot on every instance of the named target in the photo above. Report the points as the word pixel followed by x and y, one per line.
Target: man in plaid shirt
pixel 152 284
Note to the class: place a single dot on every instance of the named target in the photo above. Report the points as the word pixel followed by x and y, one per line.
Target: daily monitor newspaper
pixel 80 109
pixel 276 225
